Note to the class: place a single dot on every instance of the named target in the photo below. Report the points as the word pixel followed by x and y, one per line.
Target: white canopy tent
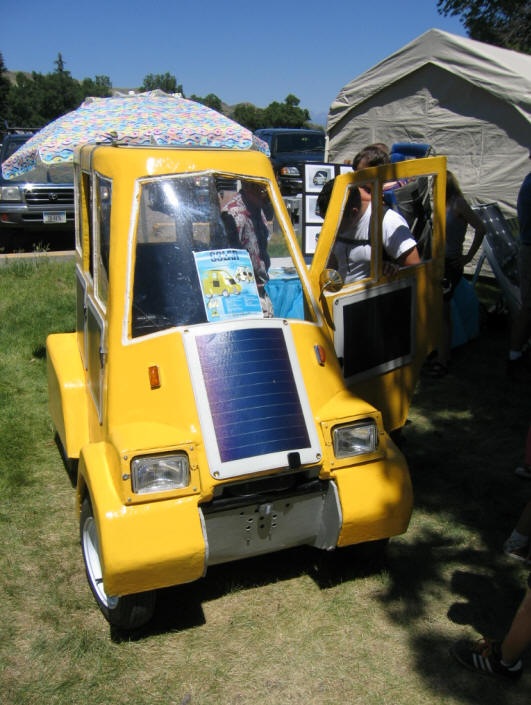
pixel 469 100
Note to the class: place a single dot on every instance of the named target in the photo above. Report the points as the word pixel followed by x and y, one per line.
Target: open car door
pixel 384 325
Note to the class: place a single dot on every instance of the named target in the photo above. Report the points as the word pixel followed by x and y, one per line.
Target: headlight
pixel 160 473
pixel 10 193
pixel 290 171
pixel 355 439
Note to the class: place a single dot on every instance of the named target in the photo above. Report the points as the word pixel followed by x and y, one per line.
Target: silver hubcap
pixel 92 560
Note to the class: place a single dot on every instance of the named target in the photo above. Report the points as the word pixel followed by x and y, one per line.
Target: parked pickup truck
pixel 40 199
pixel 212 426
pixel 290 149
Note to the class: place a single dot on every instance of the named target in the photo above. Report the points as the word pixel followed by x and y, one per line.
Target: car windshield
pixel 209 247
pixel 56 174
pixel 13 144
pixel 292 142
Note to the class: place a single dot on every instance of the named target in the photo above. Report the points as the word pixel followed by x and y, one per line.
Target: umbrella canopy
pixel 155 118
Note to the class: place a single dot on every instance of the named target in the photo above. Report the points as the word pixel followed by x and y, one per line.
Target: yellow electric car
pixel 212 428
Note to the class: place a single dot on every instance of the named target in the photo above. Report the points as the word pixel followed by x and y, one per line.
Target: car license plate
pixel 58 217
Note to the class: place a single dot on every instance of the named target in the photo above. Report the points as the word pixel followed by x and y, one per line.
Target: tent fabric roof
pixel 504 73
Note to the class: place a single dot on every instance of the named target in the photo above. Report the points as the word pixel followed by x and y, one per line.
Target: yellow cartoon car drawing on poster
pixel 217 282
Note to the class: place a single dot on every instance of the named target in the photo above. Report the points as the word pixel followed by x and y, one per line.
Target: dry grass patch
pixel 296 628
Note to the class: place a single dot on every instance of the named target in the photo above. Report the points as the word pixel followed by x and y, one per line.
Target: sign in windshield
pixel 210 248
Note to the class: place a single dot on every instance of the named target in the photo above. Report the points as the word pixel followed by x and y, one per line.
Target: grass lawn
pixel 300 627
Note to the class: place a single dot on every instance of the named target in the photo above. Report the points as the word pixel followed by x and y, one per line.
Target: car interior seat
pixel 412 198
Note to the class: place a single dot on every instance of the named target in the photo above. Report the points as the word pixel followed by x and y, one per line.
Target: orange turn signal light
pixel 154 377
pixel 320 354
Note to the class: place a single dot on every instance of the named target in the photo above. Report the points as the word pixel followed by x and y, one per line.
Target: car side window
pixel 103 191
pixel 86 233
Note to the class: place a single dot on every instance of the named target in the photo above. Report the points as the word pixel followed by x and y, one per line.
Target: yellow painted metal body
pixel 106 412
pixel 392 392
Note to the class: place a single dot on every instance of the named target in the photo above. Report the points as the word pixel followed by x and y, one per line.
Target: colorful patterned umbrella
pixel 155 118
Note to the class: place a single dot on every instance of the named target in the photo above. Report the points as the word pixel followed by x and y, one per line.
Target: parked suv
pixel 39 199
pixel 290 149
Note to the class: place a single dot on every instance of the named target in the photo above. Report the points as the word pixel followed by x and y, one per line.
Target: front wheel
pixel 126 612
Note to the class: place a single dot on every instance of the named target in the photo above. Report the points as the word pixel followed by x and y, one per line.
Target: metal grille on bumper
pixel 49 196
pixel 264 516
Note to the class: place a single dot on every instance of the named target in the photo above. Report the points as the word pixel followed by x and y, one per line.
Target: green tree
pixel 25 98
pixel 60 93
pixel 164 81
pixel 211 100
pixel 100 87
pixel 36 100
pixel 249 116
pixel 506 23
pixel 286 114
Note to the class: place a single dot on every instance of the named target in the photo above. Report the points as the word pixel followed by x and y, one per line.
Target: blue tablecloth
pixel 285 293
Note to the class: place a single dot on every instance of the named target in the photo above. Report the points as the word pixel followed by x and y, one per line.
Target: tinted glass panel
pixel 227 219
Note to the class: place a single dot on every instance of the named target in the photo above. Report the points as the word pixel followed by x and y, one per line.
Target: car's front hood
pixel 253 407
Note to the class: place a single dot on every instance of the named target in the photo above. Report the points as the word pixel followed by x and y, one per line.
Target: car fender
pixel 142 546
pixel 67 392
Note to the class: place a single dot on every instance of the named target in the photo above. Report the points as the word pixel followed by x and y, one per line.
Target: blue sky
pixel 241 51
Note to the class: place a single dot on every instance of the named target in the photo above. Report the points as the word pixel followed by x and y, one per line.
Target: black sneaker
pixel 484 656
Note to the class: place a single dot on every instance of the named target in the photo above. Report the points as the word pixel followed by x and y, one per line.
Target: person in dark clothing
pixel 518 364
pixel 245 221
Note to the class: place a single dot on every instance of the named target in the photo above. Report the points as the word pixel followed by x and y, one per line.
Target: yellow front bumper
pixel 162 543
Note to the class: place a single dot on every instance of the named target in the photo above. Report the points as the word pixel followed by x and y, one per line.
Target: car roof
pixel 286 129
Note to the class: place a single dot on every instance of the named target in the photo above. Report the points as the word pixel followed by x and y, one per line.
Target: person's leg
pixel 519 329
pixel 522 320
pixel 452 276
pixel 446 334
pixel 519 635
pixel 525 469
pixel 490 658
pixel 524 522
pixel 517 545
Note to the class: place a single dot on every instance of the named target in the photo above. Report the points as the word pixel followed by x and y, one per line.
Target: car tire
pixel 126 612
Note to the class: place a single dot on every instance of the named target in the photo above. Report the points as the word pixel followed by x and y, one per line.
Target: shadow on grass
pixel 69 464
pixel 467 435
pixel 485 590
pixel 39 352
pixel 448 678
pixel 179 608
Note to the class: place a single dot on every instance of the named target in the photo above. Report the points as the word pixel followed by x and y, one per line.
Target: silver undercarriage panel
pixel 309 518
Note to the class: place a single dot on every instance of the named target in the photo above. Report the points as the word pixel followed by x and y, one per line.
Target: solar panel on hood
pixel 252 393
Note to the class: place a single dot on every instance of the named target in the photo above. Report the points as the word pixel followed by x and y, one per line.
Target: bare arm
pixel 406 259
pixel 464 210
pixel 409 258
